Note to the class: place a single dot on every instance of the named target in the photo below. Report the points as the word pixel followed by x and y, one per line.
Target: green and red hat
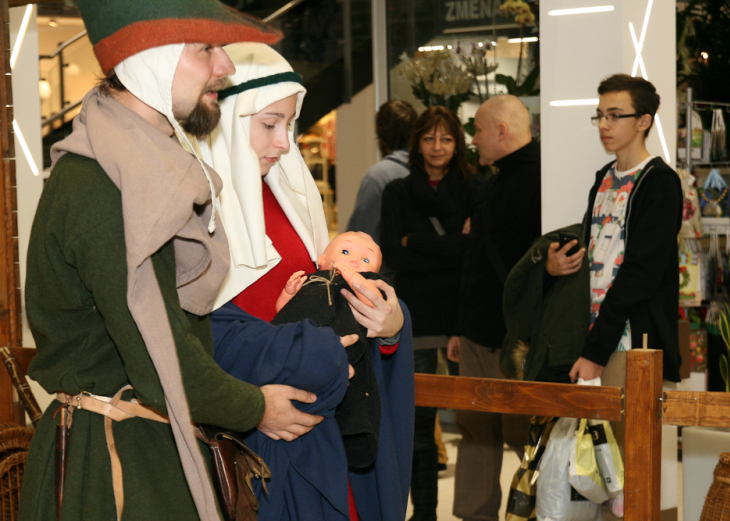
pixel 119 29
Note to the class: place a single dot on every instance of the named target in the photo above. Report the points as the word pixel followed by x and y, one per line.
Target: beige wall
pixel 357 149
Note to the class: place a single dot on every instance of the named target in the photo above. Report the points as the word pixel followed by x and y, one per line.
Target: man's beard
pixel 202 120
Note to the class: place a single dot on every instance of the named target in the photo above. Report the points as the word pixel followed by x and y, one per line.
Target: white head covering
pixel 229 151
pixel 149 75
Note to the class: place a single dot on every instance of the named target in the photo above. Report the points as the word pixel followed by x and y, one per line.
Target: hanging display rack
pixel 689 106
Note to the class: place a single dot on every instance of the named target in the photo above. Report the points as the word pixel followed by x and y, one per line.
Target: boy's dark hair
pixel 111 82
pixel 444 118
pixel 643 94
pixel 393 125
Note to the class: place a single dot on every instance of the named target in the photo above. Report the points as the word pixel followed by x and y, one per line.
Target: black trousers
pixel 424 476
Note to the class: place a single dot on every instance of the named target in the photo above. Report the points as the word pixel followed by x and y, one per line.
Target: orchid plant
pixel 437 78
pixel 523 17
pixel 447 77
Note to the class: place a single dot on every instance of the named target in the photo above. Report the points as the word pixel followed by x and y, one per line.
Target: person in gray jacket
pixel 393 126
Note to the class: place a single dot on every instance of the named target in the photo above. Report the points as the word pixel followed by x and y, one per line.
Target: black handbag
pixel 234 465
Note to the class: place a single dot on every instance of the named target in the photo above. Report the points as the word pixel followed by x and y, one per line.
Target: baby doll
pixel 350 258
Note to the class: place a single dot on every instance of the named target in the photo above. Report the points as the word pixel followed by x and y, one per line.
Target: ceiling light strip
pixel 581 10
pixel 574 103
pixel 21 35
pixel 25 148
pixel 646 21
pixel 661 138
pixel 639 60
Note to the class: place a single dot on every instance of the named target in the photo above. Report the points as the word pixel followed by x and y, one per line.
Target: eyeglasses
pixel 612 118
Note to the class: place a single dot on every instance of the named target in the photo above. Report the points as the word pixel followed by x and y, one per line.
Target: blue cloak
pixel 309 474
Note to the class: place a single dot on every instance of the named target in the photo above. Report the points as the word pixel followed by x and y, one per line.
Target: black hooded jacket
pixel 645 290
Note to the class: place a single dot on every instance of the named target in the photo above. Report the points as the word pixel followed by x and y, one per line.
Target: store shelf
pixel 719 225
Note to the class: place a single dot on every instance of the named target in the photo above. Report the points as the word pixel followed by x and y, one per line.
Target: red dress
pixel 259 299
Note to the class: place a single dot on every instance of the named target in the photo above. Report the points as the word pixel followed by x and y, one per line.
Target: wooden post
pixel 10 312
pixel 643 435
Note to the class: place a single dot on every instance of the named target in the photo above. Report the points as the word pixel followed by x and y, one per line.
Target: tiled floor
pixel 509 466
pixel 446 479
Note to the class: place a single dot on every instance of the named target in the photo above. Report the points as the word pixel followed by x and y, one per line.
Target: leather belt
pixel 116 409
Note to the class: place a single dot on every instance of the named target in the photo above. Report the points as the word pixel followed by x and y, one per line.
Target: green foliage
pixel 529 87
pixel 469 127
pixel 702 26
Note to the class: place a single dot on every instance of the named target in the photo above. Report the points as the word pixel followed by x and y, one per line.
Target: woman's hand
pixel 452 348
pixel 466 229
pixel 559 264
pixel 385 318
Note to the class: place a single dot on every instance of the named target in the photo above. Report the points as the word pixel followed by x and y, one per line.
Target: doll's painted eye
pixel 366 261
pixel 345 252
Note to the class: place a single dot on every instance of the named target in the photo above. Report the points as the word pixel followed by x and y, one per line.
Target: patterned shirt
pixel 608 237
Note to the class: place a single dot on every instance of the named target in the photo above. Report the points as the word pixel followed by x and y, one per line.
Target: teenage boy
pixel 634 215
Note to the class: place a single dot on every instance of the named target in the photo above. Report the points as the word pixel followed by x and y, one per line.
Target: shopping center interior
pixel 354 55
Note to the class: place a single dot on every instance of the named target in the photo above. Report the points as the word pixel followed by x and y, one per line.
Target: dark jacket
pixel 428 268
pixel 547 315
pixel 509 219
pixel 646 288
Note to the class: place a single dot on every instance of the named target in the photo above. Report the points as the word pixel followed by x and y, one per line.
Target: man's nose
pixel 354 263
pixel 223 65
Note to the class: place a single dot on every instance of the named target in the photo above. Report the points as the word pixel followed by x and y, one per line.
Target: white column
pixel 576 52
pixel 27 111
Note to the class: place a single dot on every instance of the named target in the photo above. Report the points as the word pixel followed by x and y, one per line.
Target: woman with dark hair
pixel 426 219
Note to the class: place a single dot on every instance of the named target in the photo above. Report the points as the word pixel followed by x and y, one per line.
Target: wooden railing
pixel 641 405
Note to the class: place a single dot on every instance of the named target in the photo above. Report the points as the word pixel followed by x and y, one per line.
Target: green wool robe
pixel 76 300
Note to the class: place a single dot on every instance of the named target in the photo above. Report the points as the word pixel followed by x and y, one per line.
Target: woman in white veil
pixel 272 211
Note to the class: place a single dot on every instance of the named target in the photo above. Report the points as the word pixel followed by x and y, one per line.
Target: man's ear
pixel 320 260
pixel 503 131
pixel 645 122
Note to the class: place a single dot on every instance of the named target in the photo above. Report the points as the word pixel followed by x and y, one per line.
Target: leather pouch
pixel 234 465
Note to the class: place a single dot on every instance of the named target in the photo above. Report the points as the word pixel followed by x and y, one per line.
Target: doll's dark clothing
pixel 358 415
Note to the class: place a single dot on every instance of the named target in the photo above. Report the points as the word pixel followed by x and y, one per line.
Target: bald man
pixel 502 231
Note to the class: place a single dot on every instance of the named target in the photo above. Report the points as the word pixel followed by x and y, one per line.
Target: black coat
pixel 645 290
pixel 509 219
pixel 358 415
pixel 428 268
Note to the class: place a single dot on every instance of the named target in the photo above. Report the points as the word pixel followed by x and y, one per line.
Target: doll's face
pixel 356 249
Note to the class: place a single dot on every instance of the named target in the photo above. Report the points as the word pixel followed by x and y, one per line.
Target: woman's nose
pixel 281 141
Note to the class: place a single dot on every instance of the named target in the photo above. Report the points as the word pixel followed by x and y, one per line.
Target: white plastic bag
pixel 556 499
pixel 583 473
